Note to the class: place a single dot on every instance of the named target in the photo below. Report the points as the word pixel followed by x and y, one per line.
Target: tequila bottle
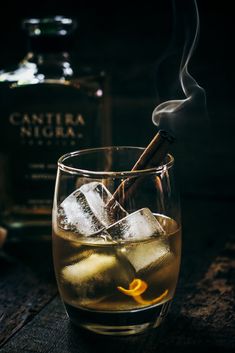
pixel 49 107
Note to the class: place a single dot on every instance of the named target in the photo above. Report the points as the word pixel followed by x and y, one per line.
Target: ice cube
pixel 96 276
pixel 147 255
pixel 98 196
pixel 138 225
pixel 85 211
pixel 165 271
pixel 141 225
pixel 76 215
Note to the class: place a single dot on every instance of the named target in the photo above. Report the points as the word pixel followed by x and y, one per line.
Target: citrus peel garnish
pixel 138 287
pixel 156 300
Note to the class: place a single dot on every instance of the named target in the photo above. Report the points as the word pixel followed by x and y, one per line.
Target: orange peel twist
pixel 138 287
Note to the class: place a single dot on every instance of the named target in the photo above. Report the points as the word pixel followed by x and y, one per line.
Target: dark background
pixel 127 40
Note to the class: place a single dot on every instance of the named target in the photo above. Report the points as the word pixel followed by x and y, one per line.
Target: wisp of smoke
pixel 189 17
pixel 185 115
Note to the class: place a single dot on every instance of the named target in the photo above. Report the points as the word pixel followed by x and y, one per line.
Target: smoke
pixel 185 30
pixel 182 109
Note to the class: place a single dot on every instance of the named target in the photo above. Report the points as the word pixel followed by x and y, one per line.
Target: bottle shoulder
pixel 22 72
pixel 52 72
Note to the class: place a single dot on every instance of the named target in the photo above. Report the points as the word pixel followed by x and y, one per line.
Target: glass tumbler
pixel 116 239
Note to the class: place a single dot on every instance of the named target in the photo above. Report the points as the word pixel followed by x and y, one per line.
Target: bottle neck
pixel 51 65
pixel 50 44
pixel 40 58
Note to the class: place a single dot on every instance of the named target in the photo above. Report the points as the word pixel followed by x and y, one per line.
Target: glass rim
pixel 104 173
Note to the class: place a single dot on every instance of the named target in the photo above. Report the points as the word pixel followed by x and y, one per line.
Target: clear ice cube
pixel 76 215
pixel 85 211
pixel 145 256
pixel 138 225
pixel 98 197
pixel 96 276
pixel 164 271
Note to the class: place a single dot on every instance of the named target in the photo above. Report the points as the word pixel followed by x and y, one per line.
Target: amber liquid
pixel 89 272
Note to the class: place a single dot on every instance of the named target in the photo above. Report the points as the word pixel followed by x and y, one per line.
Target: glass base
pixel 121 323
pixel 117 330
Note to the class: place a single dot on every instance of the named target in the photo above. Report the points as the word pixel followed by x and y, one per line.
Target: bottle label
pixel 44 128
pixel 39 123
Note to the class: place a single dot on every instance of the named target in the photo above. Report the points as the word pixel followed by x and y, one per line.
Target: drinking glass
pixel 116 239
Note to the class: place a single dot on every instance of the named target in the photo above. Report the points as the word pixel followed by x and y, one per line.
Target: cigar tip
pixel 167 136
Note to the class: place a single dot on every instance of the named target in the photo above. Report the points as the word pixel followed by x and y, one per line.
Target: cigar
pixel 155 152
pixel 152 157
